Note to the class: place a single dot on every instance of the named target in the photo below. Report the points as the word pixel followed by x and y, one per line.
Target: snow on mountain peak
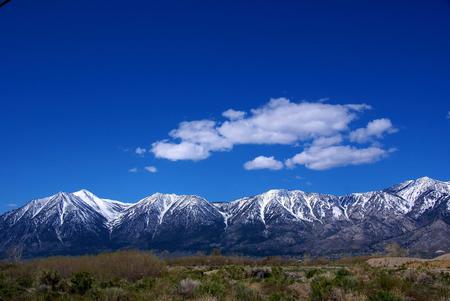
pixel 171 198
pixel 109 209
pixel 414 196
pixel 274 192
pixel 413 189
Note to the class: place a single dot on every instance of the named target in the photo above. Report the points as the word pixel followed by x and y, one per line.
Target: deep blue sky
pixel 80 81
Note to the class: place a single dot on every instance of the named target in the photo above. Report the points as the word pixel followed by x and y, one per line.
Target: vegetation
pixel 134 275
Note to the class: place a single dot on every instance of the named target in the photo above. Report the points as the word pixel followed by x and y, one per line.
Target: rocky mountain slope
pixel 416 214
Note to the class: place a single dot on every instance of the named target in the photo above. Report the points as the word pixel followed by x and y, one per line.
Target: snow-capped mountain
pixel 415 213
pixel 60 222
pixel 109 209
pixel 169 220
pixel 421 194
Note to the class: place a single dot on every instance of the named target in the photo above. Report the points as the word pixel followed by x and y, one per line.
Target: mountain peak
pixel 425 179
pixel 107 208
pixel 275 192
pixel 427 182
pixel 83 191
pixel 173 196
pixel 280 192
pixel 413 189
pixel 61 194
pixel 189 222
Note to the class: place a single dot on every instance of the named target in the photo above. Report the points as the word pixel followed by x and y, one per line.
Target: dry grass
pixel 221 260
pixel 442 262
pixel 392 262
pixel 135 275
pixel 208 260
pixel 130 265
pixel 300 290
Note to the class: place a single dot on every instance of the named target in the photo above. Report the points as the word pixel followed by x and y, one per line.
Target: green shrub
pixel 320 288
pixel 383 296
pixel 194 274
pixel 50 278
pixel 243 293
pixel 445 277
pixel 235 272
pixel 145 284
pixel 277 279
pixel 81 282
pixel 348 283
pixel 113 294
pixel 213 287
pixel 345 280
pixel 385 281
pixel 25 281
pixel 7 288
pixel 280 296
pixel 110 283
pixel 277 272
pixel 342 272
pixel 311 273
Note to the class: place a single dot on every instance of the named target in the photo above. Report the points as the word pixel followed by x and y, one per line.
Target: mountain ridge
pixel 275 222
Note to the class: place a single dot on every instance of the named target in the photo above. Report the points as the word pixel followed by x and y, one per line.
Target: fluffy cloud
pixel 448 115
pixel 140 151
pixel 322 129
pixel 233 114
pixel 202 132
pixel 374 129
pixel 327 141
pixel 133 170
pixel 151 169
pixel 263 162
pixel 280 121
pixel 321 158
pixel 283 122
pixel 179 151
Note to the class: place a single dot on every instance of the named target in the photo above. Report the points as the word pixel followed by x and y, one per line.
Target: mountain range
pixel 414 214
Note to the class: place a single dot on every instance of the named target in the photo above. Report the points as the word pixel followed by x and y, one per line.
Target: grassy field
pixel 135 275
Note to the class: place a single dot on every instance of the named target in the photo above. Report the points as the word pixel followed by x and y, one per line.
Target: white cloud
pixel 280 121
pixel 151 169
pixel 233 114
pixel 374 129
pixel 448 115
pixel 133 170
pixel 140 151
pixel 202 132
pixel 262 162
pixel 12 205
pixel 180 151
pixel 327 141
pixel 321 158
pixel 322 129
pixel 283 122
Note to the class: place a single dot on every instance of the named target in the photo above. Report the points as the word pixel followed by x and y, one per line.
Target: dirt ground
pixel 440 262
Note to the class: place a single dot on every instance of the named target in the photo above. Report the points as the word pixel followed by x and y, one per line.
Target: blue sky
pixel 85 83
